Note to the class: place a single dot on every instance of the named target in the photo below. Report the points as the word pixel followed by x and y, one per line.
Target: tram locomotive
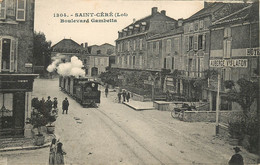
pixel 83 90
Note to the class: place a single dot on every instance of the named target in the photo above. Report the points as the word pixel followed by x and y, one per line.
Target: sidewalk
pixel 139 105
pixel 13 144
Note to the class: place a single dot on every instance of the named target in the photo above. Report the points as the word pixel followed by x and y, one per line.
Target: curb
pixel 25 147
pixel 138 109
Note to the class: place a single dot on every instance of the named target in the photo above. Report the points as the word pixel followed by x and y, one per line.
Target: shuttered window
pixel 20 10
pixel 8 54
pixel 204 42
pixel 227 48
pixel 187 43
pixel 196 42
pixel 3 9
pixel 168 46
pixel 141 44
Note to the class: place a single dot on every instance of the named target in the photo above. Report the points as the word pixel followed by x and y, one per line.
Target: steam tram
pixel 83 90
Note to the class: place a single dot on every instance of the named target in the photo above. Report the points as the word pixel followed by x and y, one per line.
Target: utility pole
pixel 217 107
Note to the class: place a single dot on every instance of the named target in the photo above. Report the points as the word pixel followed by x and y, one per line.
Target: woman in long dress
pixel 60 154
pixel 52 152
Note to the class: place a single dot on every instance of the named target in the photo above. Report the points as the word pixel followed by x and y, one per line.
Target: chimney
pixel 163 12
pixel 86 45
pixel 180 22
pixel 82 45
pixel 154 10
pixel 134 20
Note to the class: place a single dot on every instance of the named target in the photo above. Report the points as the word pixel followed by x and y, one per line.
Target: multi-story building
pixel 105 48
pixel 233 50
pixel 196 45
pixel 16 78
pixel 166 52
pixel 131 45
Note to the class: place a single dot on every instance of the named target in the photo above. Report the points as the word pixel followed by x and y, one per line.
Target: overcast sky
pixel 99 33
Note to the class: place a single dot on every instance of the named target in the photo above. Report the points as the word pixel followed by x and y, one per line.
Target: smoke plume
pixel 73 68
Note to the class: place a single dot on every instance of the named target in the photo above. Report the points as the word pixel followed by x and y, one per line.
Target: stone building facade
pixel 233 50
pixel 16 54
pixel 131 45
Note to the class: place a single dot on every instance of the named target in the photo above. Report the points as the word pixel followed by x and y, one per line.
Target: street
pixel 116 134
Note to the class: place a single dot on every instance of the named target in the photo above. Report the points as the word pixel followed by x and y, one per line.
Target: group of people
pixel 56 156
pixel 49 105
pixel 125 95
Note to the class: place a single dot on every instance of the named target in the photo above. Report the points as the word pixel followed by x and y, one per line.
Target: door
pixel 19 113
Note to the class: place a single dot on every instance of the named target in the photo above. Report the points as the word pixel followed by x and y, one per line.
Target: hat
pixel 237 149
pixel 49 97
pixel 55 97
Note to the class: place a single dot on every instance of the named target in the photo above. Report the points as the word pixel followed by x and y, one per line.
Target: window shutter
pixel 3 9
pixel 12 55
pixel 141 60
pixel 0 54
pixel 225 48
pixel 196 42
pixel 187 43
pixel 204 42
pixel 228 48
pixel 201 66
pixel 20 10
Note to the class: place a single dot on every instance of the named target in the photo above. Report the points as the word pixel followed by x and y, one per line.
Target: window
pixel 141 44
pixel 227 32
pixel 172 62
pixel 157 47
pixel 176 44
pixel 141 60
pixel 196 26
pixel 227 48
pixel 128 46
pixel 8 54
pixel 164 63
pixel 85 61
pixel 201 24
pixel 200 41
pixel 151 46
pixel 20 11
pixel 168 46
pixel 134 44
pixel 98 51
pixel 190 42
pixel 118 47
pixel 3 9
pixel 6 110
pixel 133 60
pixel 191 27
pixel 196 42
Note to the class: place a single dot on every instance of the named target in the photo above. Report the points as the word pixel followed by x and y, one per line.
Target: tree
pixel 41 50
pixel 245 96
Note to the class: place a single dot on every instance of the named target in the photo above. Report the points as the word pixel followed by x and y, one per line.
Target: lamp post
pixel 217 106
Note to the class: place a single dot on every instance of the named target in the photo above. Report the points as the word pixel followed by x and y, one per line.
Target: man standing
pixel 65 105
pixel 49 104
pixel 236 159
pixel 106 91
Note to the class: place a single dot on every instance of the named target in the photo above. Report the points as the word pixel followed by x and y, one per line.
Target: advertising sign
pixel 234 63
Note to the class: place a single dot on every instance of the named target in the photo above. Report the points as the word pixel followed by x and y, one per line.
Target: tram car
pixel 84 90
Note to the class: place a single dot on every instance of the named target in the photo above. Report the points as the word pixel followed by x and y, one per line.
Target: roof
pixel 68 46
pixel 148 18
pixel 248 13
pixel 215 8
pixel 166 34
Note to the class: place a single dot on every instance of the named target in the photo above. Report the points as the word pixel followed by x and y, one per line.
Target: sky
pixel 48 22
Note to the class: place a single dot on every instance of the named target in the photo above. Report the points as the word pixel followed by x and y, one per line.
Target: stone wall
pixel 210 116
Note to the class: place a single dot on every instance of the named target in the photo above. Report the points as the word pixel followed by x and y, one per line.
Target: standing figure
pixel 119 97
pixel 52 155
pixel 65 105
pixel 236 159
pixel 42 107
pixel 127 96
pixel 124 95
pixel 49 104
pixel 106 91
pixel 60 154
pixel 55 103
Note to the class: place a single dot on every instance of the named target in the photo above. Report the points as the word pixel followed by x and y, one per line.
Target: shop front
pixel 15 103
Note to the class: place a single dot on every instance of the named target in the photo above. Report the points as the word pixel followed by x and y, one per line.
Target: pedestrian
pixel 236 159
pixel 119 97
pixel 127 96
pixel 42 107
pixel 55 103
pixel 49 104
pixel 106 91
pixel 65 105
pixel 124 95
pixel 52 155
pixel 60 154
